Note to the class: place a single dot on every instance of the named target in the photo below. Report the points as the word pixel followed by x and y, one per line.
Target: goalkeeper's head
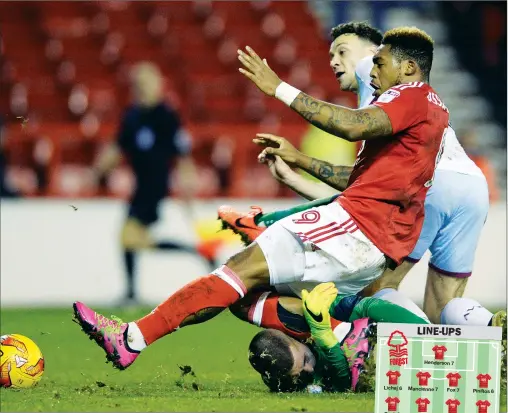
pixel 285 365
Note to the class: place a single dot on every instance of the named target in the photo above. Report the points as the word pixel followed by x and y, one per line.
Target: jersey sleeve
pixel 384 311
pixel 405 106
pixel 343 306
pixel 334 373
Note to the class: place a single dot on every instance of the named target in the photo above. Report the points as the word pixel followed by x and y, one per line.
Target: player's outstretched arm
pixel 316 306
pixel 306 188
pixel 352 125
pixel 384 311
pixel 336 176
pixel 349 124
pixel 349 307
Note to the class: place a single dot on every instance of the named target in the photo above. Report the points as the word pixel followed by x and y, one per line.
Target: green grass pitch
pixel 77 378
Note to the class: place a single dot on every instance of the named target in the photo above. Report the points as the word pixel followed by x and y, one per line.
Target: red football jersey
pixel 483 406
pixel 452 405
pixel 483 380
pixel 439 352
pixel 392 403
pixel 393 377
pixel 422 405
pixel 453 379
pixel 387 188
pixel 423 378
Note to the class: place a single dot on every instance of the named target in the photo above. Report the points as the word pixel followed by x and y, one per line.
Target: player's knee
pixel 250 266
pixel 241 308
pixel 134 238
pixel 389 279
pixel 133 242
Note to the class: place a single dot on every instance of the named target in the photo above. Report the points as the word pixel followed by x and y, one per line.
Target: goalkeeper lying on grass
pixel 286 364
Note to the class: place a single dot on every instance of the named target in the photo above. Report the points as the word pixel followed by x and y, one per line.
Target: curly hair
pixel 411 43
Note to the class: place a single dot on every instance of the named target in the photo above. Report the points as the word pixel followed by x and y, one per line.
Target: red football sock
pixel 217 290
pixel 334 322
pixel 263 313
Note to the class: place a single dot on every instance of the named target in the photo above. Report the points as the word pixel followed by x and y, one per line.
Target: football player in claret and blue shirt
pixel 151 137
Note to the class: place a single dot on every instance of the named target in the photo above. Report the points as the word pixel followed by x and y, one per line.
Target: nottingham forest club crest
pixel 398 348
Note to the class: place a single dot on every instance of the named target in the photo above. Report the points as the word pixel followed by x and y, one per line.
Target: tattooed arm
pixel 304 187
pixel 336 176
pixel 350 124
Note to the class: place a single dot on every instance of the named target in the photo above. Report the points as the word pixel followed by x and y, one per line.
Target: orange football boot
pixel 240 223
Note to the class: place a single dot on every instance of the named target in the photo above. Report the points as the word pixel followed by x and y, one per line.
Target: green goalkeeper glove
pixel 316 309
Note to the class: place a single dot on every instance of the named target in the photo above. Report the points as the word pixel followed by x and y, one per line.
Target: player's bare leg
pixel 134 236
pixel 196 302
pixel 389 279
pixel 269 310
pixel 439 290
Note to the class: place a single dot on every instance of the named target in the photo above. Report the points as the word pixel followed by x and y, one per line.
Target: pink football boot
pixel 110 334
pixel 356 347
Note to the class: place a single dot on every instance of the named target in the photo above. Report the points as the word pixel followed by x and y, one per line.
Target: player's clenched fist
pixel 257 70
pixel 275 145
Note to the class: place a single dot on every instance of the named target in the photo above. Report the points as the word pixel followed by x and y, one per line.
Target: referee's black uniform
pixel 151 138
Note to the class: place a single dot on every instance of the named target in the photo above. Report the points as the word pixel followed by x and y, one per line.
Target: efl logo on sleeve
pixel 388 96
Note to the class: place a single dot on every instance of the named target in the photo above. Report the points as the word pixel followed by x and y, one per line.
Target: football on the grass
pixel 21 362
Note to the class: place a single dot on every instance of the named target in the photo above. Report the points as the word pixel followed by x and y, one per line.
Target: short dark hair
pixel 362 29
pixel 411 43
pixel 270 355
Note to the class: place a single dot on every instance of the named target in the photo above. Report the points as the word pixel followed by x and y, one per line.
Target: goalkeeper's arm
pixel 316 305
pixel 350 308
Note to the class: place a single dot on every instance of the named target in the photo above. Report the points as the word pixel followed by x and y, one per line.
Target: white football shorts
pixel 322 244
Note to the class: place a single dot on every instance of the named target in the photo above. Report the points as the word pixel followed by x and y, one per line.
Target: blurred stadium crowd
pixel 64 75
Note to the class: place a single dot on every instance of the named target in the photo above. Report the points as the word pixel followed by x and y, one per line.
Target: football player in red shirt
pixel 351 241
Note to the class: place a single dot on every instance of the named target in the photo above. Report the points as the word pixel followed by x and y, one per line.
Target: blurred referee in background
pixel 152 138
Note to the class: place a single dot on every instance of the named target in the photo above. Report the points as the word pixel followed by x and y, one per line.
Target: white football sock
pixel 135 339
pixel 396 297
pixel 465 311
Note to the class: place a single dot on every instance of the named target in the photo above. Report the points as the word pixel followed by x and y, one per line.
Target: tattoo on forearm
pixel 334 175
pixel 339 120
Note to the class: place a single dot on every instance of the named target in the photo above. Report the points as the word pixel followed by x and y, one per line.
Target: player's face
pixel 386 71
pixel 304 362
pixel 345 53
pixel 146 86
